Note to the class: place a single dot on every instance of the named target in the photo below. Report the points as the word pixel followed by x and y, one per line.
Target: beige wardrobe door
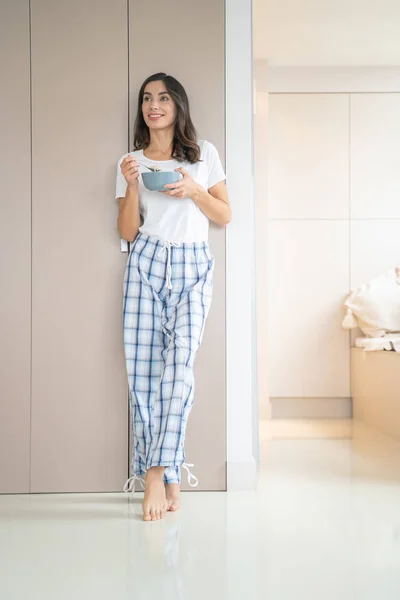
pixel 80 125
pixel 188 43
pixel 15 247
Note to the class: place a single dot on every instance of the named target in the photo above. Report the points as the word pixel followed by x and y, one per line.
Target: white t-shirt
pixel 175 219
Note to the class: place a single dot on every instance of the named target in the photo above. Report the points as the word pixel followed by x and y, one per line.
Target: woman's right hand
pixel 130 170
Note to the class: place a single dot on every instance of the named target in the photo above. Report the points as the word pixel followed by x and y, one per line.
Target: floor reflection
pixel 324 523
pixel 183 557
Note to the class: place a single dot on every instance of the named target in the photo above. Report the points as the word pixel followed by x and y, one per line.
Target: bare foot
pixel 173 494
pixel 155 502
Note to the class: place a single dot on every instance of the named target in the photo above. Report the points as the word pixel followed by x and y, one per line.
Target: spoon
pixel 152 169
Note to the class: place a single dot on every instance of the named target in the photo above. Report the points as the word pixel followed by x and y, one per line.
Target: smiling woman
pixel 168 280
pixel 163 103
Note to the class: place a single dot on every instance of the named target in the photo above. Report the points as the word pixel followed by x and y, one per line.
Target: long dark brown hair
pixel 185 146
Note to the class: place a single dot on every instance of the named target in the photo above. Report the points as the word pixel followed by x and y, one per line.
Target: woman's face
pixel 159 110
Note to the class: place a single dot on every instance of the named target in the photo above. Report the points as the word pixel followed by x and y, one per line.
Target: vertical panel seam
pixel 31 269
pixel 129 147
pixel 129 71
pixel 350 240
pixel 225 238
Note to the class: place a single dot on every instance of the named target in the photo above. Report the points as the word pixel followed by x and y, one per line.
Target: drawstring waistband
pixel 167 248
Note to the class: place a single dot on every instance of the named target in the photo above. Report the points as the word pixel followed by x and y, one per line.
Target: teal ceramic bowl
pixel 155 182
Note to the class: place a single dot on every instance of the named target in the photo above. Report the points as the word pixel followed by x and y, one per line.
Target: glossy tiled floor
pixel 324 524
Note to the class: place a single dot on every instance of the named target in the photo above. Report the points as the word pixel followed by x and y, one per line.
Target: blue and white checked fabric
pixel 167 296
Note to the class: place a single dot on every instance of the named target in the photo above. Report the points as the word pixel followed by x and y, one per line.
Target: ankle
pixel 155 473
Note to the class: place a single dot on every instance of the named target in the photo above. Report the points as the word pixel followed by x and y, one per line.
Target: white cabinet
pixel 308 162
pixel 308 273
pixel 334 223
pixel 308 244
pixel 375 156
pixel 375 248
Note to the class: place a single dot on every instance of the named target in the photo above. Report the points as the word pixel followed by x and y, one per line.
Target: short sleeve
pixel 121 185
pixel 216 172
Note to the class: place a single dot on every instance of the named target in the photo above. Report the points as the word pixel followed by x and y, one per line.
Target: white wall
pixel 261 233
pixel 375 184
pixel 333 223
pixel 240 297
pixel 315 32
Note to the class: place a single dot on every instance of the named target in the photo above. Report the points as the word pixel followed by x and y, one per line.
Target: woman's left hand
pixel 184 188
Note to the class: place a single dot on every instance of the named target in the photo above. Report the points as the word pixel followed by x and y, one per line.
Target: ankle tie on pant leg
pixel 167 249
pixel 130 483
pixel 192 479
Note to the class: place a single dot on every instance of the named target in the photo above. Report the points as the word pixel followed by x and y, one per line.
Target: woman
pixel 167 283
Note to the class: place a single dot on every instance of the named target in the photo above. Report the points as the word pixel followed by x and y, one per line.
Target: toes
pixel 154 513
pixel 161 512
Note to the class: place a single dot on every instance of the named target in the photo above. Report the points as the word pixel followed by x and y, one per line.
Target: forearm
pixel 215 209
pixel 129 215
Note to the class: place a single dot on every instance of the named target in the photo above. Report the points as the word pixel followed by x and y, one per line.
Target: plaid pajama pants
pixel 167 296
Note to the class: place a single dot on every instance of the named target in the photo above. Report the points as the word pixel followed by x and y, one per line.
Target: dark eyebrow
pixel 160 94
